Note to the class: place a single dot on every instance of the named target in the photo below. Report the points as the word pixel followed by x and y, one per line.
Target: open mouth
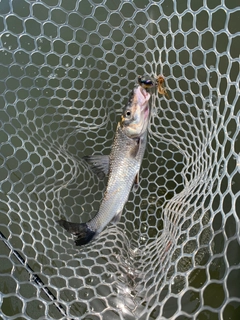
pixel 146 111
pixel 144 93
pixel 144 102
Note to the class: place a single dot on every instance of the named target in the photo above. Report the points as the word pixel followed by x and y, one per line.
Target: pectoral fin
pixel 136 148
pixel 99 164
pixel 117 217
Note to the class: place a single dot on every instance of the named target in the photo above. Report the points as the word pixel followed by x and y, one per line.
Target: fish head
pixel 135 116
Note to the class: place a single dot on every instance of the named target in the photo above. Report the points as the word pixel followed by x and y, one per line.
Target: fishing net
pixel 66 71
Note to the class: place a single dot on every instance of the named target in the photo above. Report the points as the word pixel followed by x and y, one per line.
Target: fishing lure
pixel 161 86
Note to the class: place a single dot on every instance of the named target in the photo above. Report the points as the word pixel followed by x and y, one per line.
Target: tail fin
pixel 81 230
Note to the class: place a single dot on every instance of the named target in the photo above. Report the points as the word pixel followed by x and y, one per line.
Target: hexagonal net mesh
pixel 67 68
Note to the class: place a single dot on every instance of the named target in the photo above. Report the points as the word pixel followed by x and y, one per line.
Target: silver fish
pixel 122 167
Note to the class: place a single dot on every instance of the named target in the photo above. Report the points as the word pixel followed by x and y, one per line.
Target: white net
pixel 66 70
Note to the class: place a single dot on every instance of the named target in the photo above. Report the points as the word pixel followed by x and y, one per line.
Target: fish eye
pixel 128 113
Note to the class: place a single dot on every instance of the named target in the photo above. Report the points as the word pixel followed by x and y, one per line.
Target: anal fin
pixel 117 217
pixel 136 183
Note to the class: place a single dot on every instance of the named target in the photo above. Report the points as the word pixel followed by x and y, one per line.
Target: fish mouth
pixel 143 98
pixel 137 125
pixel 144 93
pixel 146 112
pixel 144 102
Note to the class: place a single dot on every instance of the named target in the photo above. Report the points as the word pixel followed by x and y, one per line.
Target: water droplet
pixel 238 162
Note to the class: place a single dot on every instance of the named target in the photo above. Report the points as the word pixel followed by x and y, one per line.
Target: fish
pixel 122 167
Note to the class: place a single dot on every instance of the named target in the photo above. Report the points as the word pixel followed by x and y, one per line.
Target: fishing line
pixel 34 276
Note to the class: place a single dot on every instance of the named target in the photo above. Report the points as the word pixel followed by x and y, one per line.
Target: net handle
pixel 34 276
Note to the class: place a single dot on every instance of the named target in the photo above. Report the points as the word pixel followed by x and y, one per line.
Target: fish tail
pixel 84 234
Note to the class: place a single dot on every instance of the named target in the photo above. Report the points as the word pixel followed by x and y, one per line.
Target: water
pixel 59 107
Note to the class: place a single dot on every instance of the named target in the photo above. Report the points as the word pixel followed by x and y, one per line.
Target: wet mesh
pixel 66 70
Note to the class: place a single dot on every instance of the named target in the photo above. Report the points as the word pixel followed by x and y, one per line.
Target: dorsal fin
pixel 99 164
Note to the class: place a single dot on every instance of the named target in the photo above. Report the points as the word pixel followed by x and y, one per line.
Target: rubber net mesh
pixel 66 70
